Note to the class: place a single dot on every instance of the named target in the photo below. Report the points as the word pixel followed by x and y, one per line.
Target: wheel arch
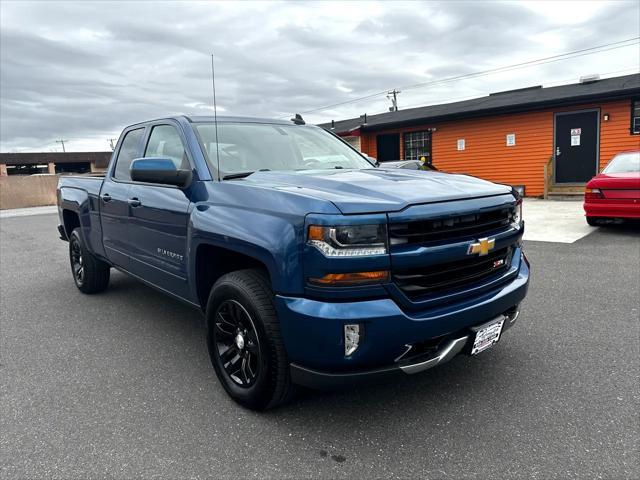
pixel 213 261
pixel 70 221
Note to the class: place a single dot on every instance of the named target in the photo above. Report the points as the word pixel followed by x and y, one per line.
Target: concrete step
pixel 567 192
pixel 566 195
pixel 567 189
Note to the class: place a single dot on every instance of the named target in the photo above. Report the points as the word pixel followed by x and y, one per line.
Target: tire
pixel 244 341
pixel 90 274
pixel 593 221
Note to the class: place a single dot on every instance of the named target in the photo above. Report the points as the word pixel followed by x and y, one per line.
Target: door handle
pixel 134 202
pixel 106 198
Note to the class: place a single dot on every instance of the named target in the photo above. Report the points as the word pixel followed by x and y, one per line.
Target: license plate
pixel 486 336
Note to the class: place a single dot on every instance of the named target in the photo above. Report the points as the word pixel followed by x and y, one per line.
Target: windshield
pixel 247 147
pixel 624 163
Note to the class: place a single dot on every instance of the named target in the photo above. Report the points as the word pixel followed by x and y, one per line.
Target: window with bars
pixel 635 116
pixel 417 145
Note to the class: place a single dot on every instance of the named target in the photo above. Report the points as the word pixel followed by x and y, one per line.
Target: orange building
pixel 540 138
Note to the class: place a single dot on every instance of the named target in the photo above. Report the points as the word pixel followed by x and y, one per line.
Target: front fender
pixel 272 239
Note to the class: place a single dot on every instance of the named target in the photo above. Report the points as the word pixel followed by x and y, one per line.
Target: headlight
pixel 349 240
pixel 517 214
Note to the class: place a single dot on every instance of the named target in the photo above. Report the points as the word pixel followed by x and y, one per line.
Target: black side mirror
pixel 159 170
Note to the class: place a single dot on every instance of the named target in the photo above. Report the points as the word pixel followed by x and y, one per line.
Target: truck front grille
pixel 473 225
pixel 448 276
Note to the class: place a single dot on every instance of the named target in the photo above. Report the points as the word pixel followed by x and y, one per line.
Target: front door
pixel 576 146
pixel 159 217
pixel 388 147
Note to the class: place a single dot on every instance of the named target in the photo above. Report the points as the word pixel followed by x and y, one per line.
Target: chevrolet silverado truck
pixel 312 266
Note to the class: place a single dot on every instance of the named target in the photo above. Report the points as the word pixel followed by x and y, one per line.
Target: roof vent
pixel 590 78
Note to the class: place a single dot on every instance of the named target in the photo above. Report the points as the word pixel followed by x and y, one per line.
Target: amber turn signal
pixel 358 278
pixel 316 232
pixel 592 193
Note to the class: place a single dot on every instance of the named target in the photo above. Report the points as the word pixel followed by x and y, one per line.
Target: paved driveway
pixel 119 385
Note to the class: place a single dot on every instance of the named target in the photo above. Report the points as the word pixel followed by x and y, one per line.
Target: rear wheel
pixel 90 274
pixel 593 221
pixel 245 343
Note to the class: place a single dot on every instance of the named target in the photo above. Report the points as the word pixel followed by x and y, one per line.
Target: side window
pixel 635 116
pixel 165 142
pixel 417 145
pixel 128 151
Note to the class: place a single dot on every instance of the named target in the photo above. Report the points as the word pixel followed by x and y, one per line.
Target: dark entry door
pixel 388 147
pixel 576 154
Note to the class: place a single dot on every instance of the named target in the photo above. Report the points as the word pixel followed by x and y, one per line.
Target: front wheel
pixel 90 274
pixel 245 343
pixel 593 221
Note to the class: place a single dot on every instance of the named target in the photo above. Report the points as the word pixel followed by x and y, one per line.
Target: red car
pixel 614 193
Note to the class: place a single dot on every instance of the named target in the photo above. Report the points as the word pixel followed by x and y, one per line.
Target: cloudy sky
pixel 82 71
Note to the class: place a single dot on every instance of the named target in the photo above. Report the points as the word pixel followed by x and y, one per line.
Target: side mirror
pixel 159 170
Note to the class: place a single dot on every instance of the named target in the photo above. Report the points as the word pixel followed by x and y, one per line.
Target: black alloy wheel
pixel 90 274
pixel 244 340
pixel 237 343
pixel 77 262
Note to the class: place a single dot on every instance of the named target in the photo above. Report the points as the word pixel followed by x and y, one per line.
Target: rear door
pixel 114 195
pixel 576 142
pixel 159 216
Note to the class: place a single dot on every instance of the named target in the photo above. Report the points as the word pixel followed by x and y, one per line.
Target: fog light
pixel 351 338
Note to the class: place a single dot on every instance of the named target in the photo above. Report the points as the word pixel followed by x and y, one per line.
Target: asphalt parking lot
pixel 119 385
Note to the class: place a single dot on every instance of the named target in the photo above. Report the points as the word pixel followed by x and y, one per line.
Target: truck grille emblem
pixel 482 246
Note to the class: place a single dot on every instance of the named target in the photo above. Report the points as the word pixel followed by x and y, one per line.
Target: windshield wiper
pixel 231 176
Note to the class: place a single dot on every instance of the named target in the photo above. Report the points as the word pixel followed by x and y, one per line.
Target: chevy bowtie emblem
pixel 482 246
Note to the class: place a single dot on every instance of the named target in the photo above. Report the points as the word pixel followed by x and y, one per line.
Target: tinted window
pixel 128 151
pixel 165 142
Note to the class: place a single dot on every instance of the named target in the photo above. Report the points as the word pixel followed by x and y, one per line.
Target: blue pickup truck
pixel 312 265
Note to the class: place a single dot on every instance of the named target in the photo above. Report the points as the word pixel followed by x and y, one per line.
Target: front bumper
pixel 446 351
pixel 313 331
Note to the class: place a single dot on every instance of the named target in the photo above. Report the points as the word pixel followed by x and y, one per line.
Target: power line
pixel 546 85
pixel 539 61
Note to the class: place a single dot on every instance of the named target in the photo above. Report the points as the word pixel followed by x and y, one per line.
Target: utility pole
pixel 113 146
pixel 62 142
pixel 393 96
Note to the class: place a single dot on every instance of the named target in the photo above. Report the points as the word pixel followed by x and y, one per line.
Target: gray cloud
pixel 85 70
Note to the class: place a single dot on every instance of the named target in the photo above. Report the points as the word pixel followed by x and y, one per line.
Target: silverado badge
pixel 482 246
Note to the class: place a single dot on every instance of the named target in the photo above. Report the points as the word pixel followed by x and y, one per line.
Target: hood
pixel 379 189
pixel 626 180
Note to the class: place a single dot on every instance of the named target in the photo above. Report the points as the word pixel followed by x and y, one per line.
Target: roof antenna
pixel 215 114
pixel 298 120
